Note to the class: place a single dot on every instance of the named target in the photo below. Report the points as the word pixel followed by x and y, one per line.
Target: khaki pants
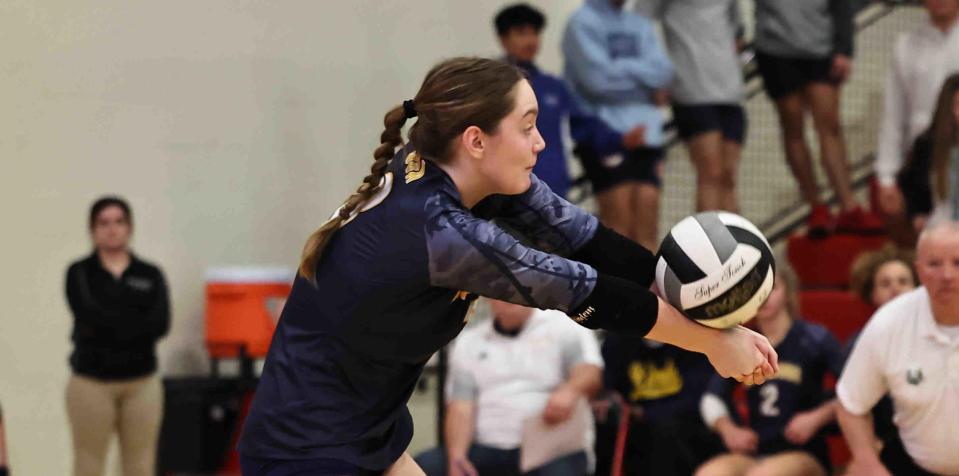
pixel 131 408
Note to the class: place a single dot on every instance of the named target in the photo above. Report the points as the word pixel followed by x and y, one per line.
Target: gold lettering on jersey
pixel 459 295
pixel 652 381
pixel 415 167
pixel 789 372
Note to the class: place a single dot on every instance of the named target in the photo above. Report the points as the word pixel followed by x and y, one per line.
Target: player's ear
pixel 474 141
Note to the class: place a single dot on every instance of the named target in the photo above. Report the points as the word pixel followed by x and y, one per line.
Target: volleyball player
pixel 390 278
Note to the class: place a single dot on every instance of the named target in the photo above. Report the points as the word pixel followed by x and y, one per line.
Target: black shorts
pixel 678 446
pixel 693 120
pixel 636 165
pixel 784 76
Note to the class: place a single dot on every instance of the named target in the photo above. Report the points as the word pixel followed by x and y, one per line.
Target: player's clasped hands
pixel 745 355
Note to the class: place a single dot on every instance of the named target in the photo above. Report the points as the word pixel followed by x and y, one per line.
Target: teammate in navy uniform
pixel 390 278
pixel 787 413
pixel 663 385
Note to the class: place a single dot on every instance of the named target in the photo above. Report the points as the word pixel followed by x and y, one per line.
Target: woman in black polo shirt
pixel 120 309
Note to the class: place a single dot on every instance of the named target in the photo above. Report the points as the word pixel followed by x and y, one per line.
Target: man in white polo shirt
pixel 521 363
pixel 910 348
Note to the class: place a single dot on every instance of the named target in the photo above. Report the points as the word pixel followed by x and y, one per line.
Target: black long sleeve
pixel 614 254
pixel 844 27
pixel 913 179
pixel 117 321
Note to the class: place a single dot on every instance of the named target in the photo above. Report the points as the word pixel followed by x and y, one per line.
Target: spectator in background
pixel 787 413
pixel 703 38
pixel 519 27
pixel 881 275
pixel 120 309
pixel 521 363
pixel 921 61
pixel 615 66
pixel 931 174
pixel 663 385
pixel 804 53
pixel 909 350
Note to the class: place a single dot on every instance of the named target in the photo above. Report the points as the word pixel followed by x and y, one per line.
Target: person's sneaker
pixel 820 223
pixel 859 221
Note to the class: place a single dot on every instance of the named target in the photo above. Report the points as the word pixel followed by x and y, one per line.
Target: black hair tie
pixel 408 110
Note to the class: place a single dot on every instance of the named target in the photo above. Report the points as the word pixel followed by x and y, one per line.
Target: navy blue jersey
pixel 394 285
pixel 556 103
pixel 805 355
pixel 666 381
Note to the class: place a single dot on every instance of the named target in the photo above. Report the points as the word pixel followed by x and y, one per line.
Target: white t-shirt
pixel 904 352
pixel 510 378
pixel 922 59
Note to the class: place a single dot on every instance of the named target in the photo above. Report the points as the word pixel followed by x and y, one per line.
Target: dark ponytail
pixel 456 94
pixel 390 139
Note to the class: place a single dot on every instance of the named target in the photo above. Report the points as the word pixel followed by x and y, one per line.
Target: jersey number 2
pixel 769 393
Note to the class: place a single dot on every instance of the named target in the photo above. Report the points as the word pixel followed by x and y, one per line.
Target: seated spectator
pixel 881 275
pixel 878 277
pixel 703 40
pixel 663 385
pixel 787 414
pixel 616 66
pixel 521 363
pixel 931 176
pixel 804 52
pixel 519 27
pixel 909 350
pixel 921 61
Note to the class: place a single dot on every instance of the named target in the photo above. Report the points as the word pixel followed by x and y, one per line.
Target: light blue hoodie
pixel 614 64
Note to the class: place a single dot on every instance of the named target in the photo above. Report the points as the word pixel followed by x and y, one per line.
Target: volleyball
pixel 715 267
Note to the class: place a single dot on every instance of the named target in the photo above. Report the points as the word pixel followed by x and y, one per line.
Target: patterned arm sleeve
pixel 472 254
pixel 551 223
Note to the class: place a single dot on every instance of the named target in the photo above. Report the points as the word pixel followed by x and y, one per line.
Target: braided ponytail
pixel 390 139
pixel 456 93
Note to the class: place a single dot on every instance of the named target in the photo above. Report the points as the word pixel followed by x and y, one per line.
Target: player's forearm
pixel 723 425
pixel 458 429
pixel 585 379
pixel 825 413
pixel 859 433
pixel 673 328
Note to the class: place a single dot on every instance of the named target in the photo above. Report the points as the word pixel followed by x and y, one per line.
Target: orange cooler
pixel 242 307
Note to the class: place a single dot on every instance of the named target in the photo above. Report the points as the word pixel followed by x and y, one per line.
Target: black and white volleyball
pixel 715 267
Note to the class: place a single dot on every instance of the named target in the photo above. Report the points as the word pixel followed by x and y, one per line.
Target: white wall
pixel 233 127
